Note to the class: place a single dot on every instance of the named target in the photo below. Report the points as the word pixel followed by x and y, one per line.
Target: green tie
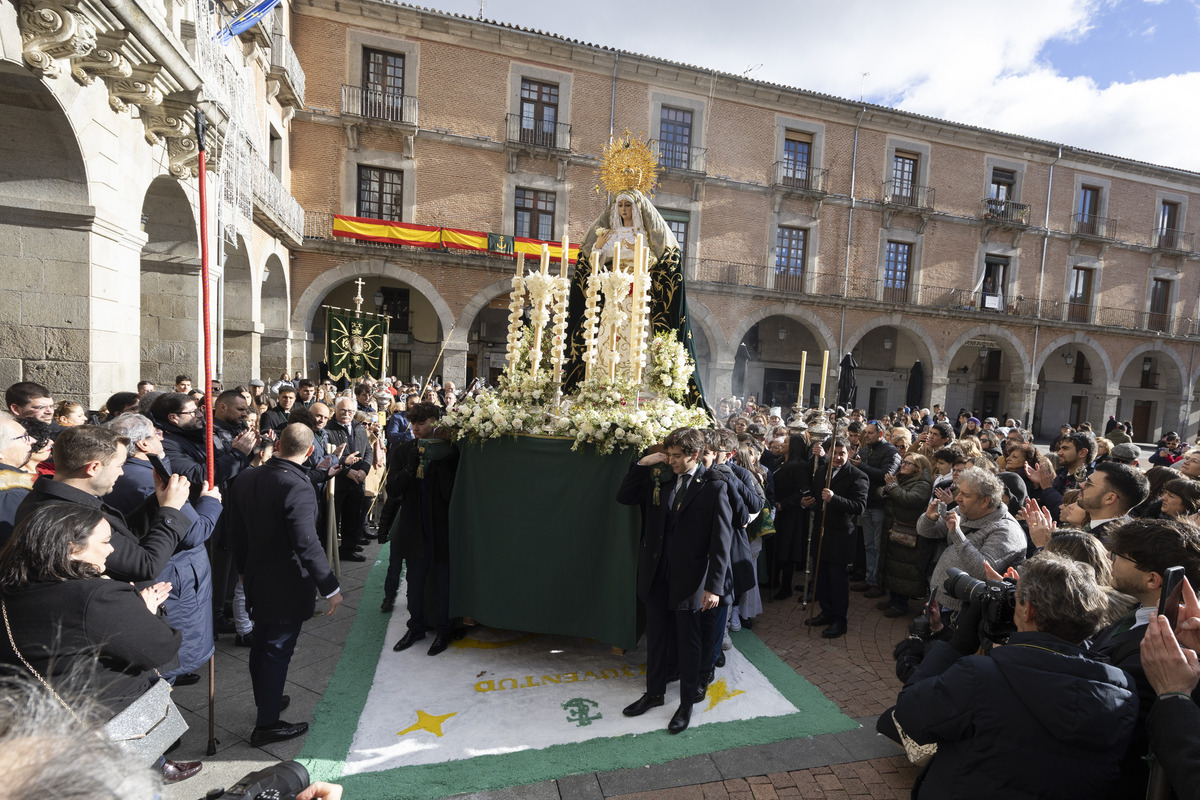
pixel 679 493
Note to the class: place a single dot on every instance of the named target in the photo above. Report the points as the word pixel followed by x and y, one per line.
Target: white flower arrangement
pixel 670 366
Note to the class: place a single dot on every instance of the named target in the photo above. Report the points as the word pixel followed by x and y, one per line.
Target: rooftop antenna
pixel 482 3
pixel 862 89
pixel 751 69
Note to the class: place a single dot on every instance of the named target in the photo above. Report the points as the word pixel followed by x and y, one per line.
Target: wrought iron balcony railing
pixel 378 103
pixel 270 195
pixel 1172 239
pixel 285 68
pixel 537 132
pixel 680 156
pixel 801 176
pixel 1005 211
pixel 1092 225
pixel 906 193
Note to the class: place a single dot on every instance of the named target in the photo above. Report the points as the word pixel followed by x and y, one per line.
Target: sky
pixel 1120 77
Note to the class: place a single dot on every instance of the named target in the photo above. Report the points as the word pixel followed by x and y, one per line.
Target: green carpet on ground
pixel 330 754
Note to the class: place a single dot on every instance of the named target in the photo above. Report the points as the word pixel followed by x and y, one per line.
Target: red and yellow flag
pixel 457 239
pixel 532 248
pixel 376 230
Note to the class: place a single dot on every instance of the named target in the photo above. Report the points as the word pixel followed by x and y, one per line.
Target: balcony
pixel 680 157
pixel 800 178
pixel 1176 241
pixel 523 130
pixel 1005 212
pixel 1092 226
pixel 286 71
pixel 378 103
pixel 274 208
pixel 909 195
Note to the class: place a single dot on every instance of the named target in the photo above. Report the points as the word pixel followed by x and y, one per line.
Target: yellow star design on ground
pixel 430 722
pixel 718 692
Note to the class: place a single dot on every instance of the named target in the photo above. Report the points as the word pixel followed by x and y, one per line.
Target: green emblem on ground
pixel 579 711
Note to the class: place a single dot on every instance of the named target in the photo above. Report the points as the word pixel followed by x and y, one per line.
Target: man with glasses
pixel 349 496
pixel 29 399
pixel 1109 494
pixel 1141 552
pixel 16 445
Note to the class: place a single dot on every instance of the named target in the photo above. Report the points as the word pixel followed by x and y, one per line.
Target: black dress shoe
pixel 175 771
pixel 243 640
pixel 440 643
pixel 387 605
pixel 346 556
pixel 720 662
pixel 748 622
pixel 681 719
pixel 279 732
pixel 707 677
pixel 835 630
pixel 284 702
pixel 187 679
pixel 643 704
pixel 819 619
pixel 408 640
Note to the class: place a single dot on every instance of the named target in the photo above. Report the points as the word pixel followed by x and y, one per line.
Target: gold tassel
pixel 421 464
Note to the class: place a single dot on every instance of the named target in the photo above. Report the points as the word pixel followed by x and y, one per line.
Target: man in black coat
pixel 417 514
pixel 832 542
pixel 275 418
pixel 349 496
pixel 271 516
pixel 182 424
pixel 876 458
pixel 687 528
pixel 88 461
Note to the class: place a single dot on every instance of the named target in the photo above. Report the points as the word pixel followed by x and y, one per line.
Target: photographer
pixel 1036 718
pixel 979 531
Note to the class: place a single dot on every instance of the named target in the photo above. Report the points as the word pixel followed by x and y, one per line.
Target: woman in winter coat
pixel 907 557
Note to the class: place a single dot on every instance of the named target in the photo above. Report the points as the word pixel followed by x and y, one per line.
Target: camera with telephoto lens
pixel 283 781
pixel 998 600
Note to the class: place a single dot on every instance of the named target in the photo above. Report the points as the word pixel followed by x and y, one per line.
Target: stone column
pixel 1022 404
pixel 937 391
pixel 453 366
pixel 719 381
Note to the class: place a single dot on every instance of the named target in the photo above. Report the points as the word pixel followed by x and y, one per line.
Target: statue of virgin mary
pixel 627 214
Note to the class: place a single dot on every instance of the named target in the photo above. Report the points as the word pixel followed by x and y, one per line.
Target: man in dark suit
pixel 1142 551
pixel 832 545
pixel 1110 493
pixel 271 512
pixel 686 533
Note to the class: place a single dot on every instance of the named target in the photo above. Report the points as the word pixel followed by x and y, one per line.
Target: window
pixel 790 245
pixel 675 138
pixel 797 157
pixel 395 306
pixel 1168 225
pixel 275 152
pixel 995 270
pixel 1089 211
pixel 383 85
pixel 678 222
pixel 539 112
pixel 401 364
pixel 535 214
pixel 895 272
pixel 1160 304
pixel 1004 181
pixel 904 179
pixel 380 192
pixel 1081 295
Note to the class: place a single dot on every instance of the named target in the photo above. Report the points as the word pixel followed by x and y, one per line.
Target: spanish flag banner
pixel 457 239
pixel 376 230
pixel 532 248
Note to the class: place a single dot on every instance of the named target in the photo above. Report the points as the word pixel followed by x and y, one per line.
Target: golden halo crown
pixel 628 163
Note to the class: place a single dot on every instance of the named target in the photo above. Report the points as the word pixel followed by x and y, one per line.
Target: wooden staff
pixel 821 534
pixel 435 363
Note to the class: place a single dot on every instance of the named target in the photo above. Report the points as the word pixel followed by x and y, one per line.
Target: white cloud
pixel 969 62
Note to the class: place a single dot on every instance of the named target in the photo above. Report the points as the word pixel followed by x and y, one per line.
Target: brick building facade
pixel 1031 280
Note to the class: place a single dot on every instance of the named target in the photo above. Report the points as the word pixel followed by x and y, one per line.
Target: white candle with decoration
pixel 540 313
pixel 589 316
pixel 516 302
pixel 562 290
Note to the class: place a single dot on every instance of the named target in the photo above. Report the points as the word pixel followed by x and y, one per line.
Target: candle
pixel 824 373
pixel 545 259
pixel 520 264
pixel 616 257
pixel 589 317
pixel 516 304
pixel 803 365
pixel 566 249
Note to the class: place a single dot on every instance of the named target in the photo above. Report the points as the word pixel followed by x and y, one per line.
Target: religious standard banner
pixel 355 344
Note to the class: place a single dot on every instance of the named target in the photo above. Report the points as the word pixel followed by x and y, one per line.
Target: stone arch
pixel 1161 406
pixel 902 322
pixel 274 315
pixel 305 311
pixel 241 335
pixel 170 318
pixel 476 304
pixel 793 310
pixel 46 189
pixel 1155 349
pixel 998 332
pixel 974 384
pixel 1080 340
pixel 704 321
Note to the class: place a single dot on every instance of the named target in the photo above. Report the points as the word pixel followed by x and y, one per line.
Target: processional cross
pixel 358 298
